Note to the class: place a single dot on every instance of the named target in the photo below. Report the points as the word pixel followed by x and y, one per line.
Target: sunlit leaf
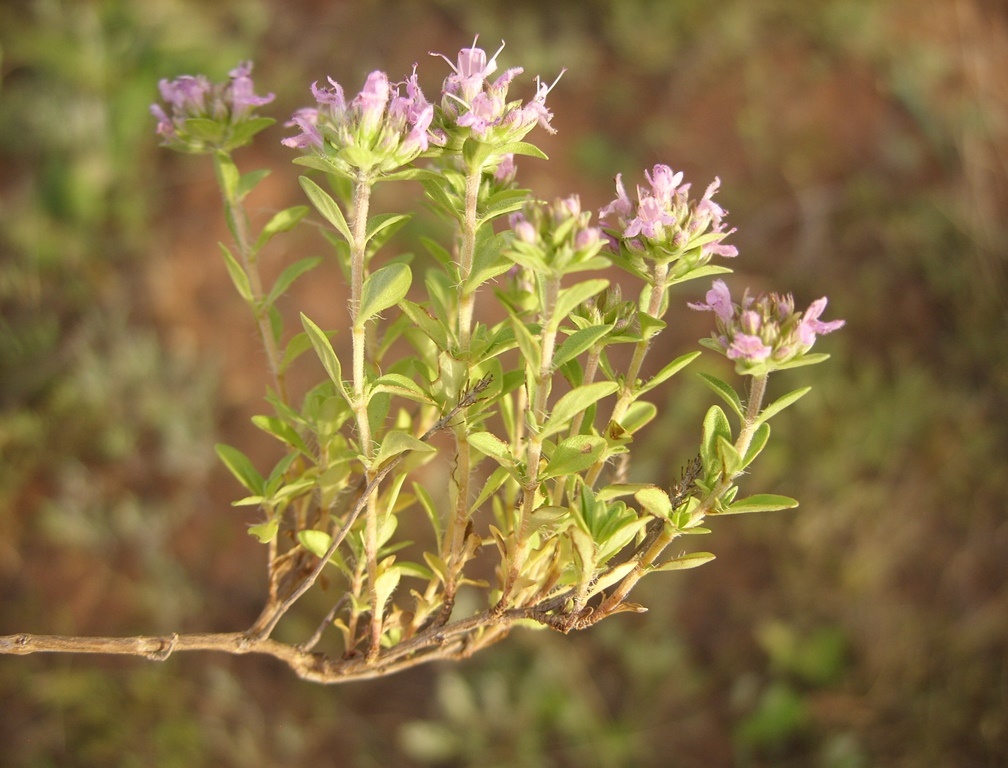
pixel 573 455
pixel 382 289
pixel 241 467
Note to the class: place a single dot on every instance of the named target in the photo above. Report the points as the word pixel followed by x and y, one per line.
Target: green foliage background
pixel 863 149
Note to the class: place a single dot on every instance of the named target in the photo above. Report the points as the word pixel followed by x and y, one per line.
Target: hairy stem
pixel 358 258
pixel 455 530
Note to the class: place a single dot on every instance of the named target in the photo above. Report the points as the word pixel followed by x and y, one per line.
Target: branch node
pixel 166 649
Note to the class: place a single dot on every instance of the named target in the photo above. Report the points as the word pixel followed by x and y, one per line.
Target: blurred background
pixel 863 151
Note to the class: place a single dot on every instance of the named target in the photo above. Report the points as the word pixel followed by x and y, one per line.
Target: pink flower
pixel 718 301
pixel 390 128
pixel 748 348
pixel 663 220
pixel 243 97
pixel 307 120
pixel 810 324
pixel 471 101
pixel 226 104
pixel 665 183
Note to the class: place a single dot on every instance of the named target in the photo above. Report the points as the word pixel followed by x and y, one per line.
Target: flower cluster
pixel 556 238
pixel 664 220
pixel 763 332
pixel 472 103
pixel 206 116
pixel 377 131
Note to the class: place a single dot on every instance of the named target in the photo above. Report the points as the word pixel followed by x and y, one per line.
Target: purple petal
pixel 749 348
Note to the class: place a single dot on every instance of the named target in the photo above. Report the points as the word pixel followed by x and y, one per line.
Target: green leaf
pixel 265 532
pixel 684 562
pixel 655 501
pixel 241 467
pixel 325 352
pixel 695 274
pixel 799 362
pixel 781 403
pixel 282 431
pixel 382 289
pixel 495 481
pixel 326 206
pixel 383 221
pixel 403 386
pixel 610 577
pixel 669 371
pixel 715 425
pixel 319 163
pixel 282 221
pixel 297 346
pixel 316 542
pixel 578 342
pixel 502 202
pixel 238 276
pixel 488 262
pixel 569 298
pixel 493 447
pixel 650 326
pixel 384 586
pixel 427 502
pixel 573 455
pixel 731 461
pixel 638 415
pixel 725 392
pixel 396 442
pixel 293 490
pixel 761 502
pixel 759 439
pixel 526 343
pixel 520 148
pixel 423 320
pixel 616 490
pixel 357 156
pixel 243 132
pixel 249 181
pixel 289 275
pixel 573 403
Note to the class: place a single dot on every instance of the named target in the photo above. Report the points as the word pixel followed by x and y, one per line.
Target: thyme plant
pixel 525 410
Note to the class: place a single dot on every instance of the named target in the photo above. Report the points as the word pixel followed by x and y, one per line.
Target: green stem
pixel 247 258
pixel 358 255
pixel 538 407
pixel 659 283
pixel 749 423
pixel 454 543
